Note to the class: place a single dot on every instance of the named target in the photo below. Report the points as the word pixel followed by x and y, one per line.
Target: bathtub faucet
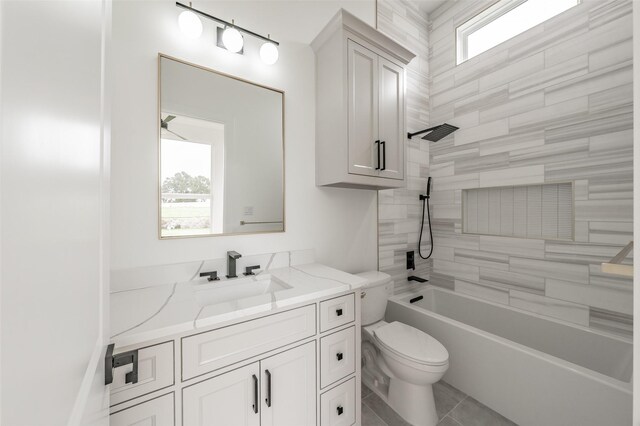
pixel 418 279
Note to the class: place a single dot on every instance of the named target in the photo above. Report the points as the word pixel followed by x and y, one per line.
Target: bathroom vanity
pixel 278 348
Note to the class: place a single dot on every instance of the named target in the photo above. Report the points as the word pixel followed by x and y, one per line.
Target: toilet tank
pixel 375 294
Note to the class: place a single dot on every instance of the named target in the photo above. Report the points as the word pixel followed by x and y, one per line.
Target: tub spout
pixel 418 279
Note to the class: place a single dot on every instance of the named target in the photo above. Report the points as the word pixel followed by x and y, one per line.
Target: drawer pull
pixel 339 356
pixel 268 399
pixel 340 410
pixel 339 312
pixel 255 394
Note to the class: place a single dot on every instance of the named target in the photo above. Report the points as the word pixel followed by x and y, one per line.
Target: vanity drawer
pixel 158 412
pixel 337 312
pixel 338 405
pixel 337 356
pixel 155 371
pixel 214 349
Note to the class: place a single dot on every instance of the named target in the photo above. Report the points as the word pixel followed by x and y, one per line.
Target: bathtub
pixel 533 370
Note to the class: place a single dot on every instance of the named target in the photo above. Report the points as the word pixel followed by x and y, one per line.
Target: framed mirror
pixel 221 144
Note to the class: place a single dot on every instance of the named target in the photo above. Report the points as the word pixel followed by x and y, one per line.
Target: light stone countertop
pixel 150 313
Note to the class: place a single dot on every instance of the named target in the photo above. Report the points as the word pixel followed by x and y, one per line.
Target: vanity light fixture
pixel 231 37
pixel 269 53
pixel 190 24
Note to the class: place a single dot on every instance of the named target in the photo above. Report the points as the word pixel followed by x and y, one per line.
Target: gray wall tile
pixel 553 104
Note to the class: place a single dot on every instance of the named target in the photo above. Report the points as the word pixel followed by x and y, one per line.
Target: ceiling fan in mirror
pixel 164 124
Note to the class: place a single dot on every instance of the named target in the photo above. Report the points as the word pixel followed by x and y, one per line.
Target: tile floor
pixel 455 408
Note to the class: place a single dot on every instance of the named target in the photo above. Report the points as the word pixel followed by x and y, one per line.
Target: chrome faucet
pixel 232 256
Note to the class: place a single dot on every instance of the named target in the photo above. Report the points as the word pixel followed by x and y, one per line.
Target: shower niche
pixel 542 211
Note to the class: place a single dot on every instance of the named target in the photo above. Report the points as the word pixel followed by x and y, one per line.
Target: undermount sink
pixel 224 291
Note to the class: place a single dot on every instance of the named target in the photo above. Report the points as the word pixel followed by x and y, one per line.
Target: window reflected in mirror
pixel 192 153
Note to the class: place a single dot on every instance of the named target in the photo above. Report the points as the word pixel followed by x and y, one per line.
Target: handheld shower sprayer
pixel 425 206
pixel 423 197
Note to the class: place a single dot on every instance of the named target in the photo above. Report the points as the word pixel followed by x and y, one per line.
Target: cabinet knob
pixel 340 410
pixel 339 356
pixel 339 312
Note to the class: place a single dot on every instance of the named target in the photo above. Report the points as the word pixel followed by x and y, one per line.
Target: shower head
pixel 440 132
pixel 436 133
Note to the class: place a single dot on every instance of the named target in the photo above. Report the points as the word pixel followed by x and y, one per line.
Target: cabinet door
pixel 231 399
pixel 157 412
pixel 391 118
pixel 363 109
pixel 289 387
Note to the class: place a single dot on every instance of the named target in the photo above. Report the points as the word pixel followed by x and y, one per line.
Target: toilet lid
pixel 411 343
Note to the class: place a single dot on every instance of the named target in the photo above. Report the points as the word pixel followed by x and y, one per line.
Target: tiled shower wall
pixel 553 104
pixel 399 210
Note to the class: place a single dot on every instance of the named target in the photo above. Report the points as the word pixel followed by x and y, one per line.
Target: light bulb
pixel 190 24
pixel 269 53
pixel 232 40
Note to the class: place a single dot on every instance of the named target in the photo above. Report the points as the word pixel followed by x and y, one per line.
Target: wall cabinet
pixel 360 106
pixel 265 371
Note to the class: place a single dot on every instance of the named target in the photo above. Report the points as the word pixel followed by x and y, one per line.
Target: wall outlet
pixel 411 263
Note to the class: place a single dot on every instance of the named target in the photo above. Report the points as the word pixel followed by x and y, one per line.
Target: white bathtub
pixel 533 370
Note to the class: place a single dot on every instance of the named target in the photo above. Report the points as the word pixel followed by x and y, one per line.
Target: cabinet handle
pixel 255 394
pixel 268 399
pixel 340 410
pixel 339 312
pixel 112 361
pixel 339 356
pixel 384 155
pixel 378 146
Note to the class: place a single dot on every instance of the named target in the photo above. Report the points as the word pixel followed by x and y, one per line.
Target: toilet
pixel 399 363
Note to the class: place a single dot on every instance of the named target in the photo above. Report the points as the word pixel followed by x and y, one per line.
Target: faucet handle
pixel 211 276
pixel 249 269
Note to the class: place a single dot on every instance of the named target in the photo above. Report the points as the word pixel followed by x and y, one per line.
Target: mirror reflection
pixel 221 153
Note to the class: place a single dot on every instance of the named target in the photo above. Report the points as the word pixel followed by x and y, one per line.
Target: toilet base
pixel 414 403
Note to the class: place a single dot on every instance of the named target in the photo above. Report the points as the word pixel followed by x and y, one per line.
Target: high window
pixel 504 20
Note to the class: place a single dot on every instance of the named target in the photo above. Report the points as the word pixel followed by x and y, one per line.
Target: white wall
pixel 339 223
pixel 53 212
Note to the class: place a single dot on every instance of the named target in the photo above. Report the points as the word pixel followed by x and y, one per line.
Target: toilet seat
pixel 411 344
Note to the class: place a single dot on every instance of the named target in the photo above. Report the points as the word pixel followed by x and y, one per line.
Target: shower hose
pixel 425 206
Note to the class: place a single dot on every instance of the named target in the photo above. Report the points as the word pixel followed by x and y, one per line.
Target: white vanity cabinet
pixel 157 412
pixel 360 106
pixel 229 399
pixel 279 390
pixel 289 387
pixel 281 368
